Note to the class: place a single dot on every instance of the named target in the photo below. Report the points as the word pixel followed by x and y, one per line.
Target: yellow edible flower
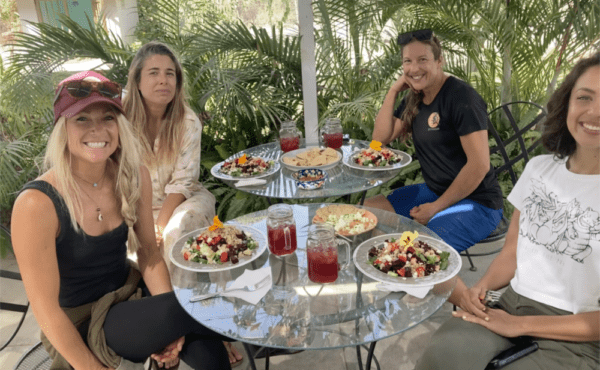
pixel 408 238
pixel 217 224
pixel 242 159
pixel 375 145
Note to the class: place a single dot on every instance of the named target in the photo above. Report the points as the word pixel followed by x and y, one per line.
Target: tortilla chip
pixel 330 153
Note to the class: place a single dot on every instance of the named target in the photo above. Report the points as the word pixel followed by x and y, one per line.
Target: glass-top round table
pixel 299 314
pixel 342 180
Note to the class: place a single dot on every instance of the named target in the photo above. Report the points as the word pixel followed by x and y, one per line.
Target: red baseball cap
pixel 68 106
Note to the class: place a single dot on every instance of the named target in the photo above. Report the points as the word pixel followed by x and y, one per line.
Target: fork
pixel 491 298
pixel 250 288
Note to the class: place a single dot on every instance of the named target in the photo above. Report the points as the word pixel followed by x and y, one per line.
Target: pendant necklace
pixel 95 184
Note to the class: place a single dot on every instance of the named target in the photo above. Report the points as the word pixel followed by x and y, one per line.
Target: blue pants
pixel 461 225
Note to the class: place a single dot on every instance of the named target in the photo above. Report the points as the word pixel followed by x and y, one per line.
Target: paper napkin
pixel 419 292
pixel 250 182
pixel 251 277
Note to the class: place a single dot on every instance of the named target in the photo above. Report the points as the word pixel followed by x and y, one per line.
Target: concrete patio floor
pixel 399 352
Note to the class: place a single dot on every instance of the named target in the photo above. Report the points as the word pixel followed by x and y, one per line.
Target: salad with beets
pixel 374 158
pixel 251 167
pixel 405 257
pixel 226 244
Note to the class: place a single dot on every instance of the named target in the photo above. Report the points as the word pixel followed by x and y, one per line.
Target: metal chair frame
pixel 15 307
pixel 509 162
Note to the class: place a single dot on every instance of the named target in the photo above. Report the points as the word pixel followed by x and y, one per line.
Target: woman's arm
pixel 581 327
pixel 498 275
pixel 152 265
pixel 468 179
pixel 387 127
pixel 172 201
pixel 185 175
pixel 34 227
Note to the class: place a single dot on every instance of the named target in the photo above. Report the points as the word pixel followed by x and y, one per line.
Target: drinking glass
pixel 332 133
pixel 322 254
pixel 281 229
pixel 289 136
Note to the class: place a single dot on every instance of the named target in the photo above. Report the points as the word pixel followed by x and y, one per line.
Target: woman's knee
pixel 380 202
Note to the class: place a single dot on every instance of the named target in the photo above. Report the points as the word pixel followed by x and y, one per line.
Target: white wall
pixel 27 13
pixel 121 16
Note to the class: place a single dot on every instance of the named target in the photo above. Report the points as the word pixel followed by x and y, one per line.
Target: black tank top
pixel 89 266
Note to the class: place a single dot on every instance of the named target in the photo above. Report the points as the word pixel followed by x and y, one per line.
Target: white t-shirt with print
pixel 558 249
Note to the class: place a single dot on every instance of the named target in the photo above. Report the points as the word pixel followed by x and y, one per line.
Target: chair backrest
pixel 11 306
pixel 513 128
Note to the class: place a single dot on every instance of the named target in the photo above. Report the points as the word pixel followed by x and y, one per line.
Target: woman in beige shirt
pixel 170 135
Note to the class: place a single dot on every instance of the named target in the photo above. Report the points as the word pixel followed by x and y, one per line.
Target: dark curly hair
pixel 556 136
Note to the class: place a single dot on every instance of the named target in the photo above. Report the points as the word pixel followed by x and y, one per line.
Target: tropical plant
pixel 244 80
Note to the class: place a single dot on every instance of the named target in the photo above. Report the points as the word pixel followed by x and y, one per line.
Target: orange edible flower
pixel 217 224
pixel 375 145
pixel 242 159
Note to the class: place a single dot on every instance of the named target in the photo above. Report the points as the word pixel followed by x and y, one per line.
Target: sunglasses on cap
pixel 80 89
pixel 420 35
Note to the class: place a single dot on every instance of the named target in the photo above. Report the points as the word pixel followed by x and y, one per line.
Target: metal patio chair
pixel 510 154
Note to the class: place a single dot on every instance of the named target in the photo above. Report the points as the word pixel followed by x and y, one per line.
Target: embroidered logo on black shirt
pixel 433 121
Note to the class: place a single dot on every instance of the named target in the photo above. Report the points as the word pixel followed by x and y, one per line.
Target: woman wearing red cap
pixel 71 230
pixel 170 134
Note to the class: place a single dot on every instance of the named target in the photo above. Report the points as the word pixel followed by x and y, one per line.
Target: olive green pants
pixel 459 344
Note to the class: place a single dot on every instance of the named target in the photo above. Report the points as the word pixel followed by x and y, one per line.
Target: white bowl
pixel 293 154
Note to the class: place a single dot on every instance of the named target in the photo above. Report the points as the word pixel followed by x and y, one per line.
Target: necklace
pixel 95 184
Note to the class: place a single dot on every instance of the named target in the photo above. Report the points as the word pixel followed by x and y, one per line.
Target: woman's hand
pixel 424 212
pixel 401 84
pixel 498 321
pixel 169 356
pixel 471 301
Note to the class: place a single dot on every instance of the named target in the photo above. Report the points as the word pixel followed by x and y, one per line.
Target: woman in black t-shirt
pixel 461 199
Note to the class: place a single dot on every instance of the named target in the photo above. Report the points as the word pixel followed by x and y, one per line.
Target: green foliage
pixel 243 79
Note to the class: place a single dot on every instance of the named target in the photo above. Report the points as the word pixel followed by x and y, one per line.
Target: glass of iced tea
pixel 289 136
pixel 322 254
pixel 332 135
pixel 281 229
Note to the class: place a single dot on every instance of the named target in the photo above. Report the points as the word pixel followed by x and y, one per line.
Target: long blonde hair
pixel 125 161
pixel 171 132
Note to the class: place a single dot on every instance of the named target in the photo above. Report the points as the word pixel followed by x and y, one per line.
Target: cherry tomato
pixel 224 257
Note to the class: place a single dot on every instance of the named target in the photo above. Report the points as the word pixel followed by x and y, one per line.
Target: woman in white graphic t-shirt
pixel 550 262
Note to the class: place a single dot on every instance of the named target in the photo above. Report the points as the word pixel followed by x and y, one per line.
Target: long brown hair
pixel 414 99
pixel 556 136
pixel 171 132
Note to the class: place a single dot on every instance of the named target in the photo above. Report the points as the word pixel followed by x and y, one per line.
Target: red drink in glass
pixel 277 239
pixel 333 141
pixel 322 265
pixel 289 143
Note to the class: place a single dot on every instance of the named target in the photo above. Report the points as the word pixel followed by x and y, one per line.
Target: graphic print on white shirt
pixel 562 228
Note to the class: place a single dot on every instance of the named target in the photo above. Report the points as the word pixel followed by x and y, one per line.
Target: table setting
pixel 301 263
pixel 297 170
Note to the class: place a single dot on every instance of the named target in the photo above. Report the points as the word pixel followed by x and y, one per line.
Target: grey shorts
pixel 466 346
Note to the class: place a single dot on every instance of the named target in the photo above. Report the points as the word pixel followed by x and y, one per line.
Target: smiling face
pixel 158 80
pixel 583 117
pixel 423 72
pixel 93 134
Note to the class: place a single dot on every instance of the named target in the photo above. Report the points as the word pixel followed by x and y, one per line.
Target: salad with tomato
pixel 405 257
pixel 223 245
pixel 375 158
pixel 250 167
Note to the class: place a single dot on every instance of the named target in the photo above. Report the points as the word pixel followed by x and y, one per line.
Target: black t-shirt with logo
pixel 457 110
